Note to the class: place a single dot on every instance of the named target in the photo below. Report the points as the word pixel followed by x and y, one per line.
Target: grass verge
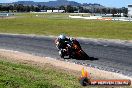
pixel 25 75
pixel 13 75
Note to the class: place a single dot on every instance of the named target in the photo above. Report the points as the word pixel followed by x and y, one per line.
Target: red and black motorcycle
pixel 72 50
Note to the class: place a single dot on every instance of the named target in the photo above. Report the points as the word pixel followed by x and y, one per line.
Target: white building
pixel 49 11
pixel 55 11
pixel 129 10
pixel 61 11
pixel 6 14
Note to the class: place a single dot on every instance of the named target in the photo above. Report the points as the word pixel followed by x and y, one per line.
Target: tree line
pixel 68 9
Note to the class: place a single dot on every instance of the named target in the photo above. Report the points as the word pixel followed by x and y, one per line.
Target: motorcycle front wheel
pixel 61 54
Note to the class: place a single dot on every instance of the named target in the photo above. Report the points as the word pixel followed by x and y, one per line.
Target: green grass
pixel 55 24
pixel 20 75
pixel 14 75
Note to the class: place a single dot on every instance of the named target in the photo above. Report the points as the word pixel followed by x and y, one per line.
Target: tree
pixel 104 10
pixel 32 8
pixel 43 7
pixel 81 10
pixel 0 7
pixel 39 6
pixel 62 7
pixel 36 9
pixel 69 9
pixel 108 10
pixel 114 11
pixel 27 9
pixel 125 11
pixel 20 8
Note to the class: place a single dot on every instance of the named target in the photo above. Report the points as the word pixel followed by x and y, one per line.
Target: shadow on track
pixel 90 58
pixel 84 57
pixel 87 57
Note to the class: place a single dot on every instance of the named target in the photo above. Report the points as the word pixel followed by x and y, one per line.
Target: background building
pixel 130 10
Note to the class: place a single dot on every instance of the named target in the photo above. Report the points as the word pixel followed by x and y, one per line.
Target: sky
pixel 107 3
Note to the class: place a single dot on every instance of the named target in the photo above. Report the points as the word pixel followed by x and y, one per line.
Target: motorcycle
pixel 78 52
pixel 72 50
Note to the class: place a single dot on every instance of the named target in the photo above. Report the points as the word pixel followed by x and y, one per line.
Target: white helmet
pixel 71 39
pixel 62 37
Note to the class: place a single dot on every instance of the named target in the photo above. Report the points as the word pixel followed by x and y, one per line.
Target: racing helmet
pixel 72 39
pixel 62 36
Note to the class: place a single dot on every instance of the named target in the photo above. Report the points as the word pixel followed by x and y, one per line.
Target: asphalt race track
pixel 111 57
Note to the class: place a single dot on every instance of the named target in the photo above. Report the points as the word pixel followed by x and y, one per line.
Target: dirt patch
pixel 68 67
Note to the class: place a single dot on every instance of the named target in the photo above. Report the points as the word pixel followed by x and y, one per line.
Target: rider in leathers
pixel 63 42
